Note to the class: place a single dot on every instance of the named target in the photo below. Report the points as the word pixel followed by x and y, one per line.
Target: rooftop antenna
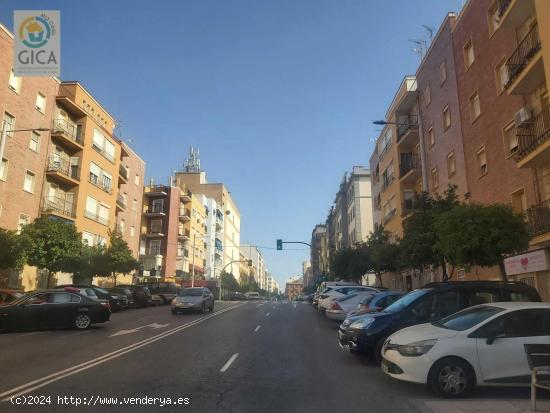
pixel 193 163
pixel 430 31
pixel 421 46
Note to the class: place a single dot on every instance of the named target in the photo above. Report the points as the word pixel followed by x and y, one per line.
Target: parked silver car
pixel 197 299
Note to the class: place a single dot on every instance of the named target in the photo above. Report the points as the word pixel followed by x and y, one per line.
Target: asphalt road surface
pixel 243 357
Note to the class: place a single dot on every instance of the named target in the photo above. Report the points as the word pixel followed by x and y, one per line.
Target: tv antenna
pixel 430 31
pixel 421 47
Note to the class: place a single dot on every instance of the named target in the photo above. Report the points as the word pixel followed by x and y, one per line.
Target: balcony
pixel 386 181
pixel 155 190
pixel 62 171
pixel 409 167
pixel 184 234
pixel 389 216
pixel 512 13
pixel 533 143
pixel 101 183
pixel 408 207
pixel 407 131
pixel 538 219
pixel 153 232
pixel 185 195
pixel 525 67
pixel 154 211
pixel 122 175
pixel 67 134
pixel 59 206
pixel 96 217
pixel 184 215
pixel 121 202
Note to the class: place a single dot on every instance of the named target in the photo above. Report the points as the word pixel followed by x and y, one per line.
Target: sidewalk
pixel 480 406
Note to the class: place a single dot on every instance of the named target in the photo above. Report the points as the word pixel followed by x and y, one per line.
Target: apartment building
pixel 197 241
pixel 213 237
pixel 319 252
pixel 258 270
pixel 196 182
pixel 359 212
pixel 294 288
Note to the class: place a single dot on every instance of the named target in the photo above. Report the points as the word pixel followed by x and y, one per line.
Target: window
pixel 385 142
pixel 154 247
pixel 428 95
pixel 134 205
pixel 521 323
pixel 510 139
pixel 493 18
pixel 156 226
pixel 103 145
pixel 88 238
pixel 446 117
pixel 14 82
pixel 40 102
pixel 502 75
pixel 9 124
pixel 481 161
pixel 435 178
pixel 132 230
pixel 519 204
pixel 24 219
pixel 158 205
pixel 451 164
pixel 431 136
pixel 4 169
pixel 447 303
pixel 468 54
pixel 95 173
pixel 136 179
pixel 475 108
pixel 121 226
pixel 34 144
pixel 442 72
pixel 60 298
pixel 476 297
pixel 30 182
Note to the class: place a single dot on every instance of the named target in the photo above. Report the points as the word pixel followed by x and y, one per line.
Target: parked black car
pixel 53 309
pixel 140 293
pixel 123 291
pixel 165 290
pixel 116 301
pixel 366 334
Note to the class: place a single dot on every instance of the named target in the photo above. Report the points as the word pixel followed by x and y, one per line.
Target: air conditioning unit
pixel 522 116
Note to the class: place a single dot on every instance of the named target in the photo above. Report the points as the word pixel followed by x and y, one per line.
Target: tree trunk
pixel 114 279
pixel 50 273
pixel 502 270
pixel 379 278
pixel 445 277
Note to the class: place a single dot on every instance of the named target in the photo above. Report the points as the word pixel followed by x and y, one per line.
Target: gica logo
pixel 35 32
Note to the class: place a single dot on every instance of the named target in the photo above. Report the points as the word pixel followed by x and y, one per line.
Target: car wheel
pixel 82 321
pixel 377 351
pixel 451 377
pixel 203 309
pixel 212 307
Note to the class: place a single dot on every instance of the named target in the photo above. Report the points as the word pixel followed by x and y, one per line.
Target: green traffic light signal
pixel 279 244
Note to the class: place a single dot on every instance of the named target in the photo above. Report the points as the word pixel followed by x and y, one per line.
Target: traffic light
pixel 279 244
pixel 250 263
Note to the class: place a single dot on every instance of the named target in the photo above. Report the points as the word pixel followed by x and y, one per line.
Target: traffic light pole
pixel 249 262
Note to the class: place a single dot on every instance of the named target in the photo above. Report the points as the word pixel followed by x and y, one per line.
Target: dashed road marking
pixel 229 362
pixel 257 328
pixel 267 315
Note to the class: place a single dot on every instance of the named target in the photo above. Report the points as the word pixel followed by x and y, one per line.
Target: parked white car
pixel 480 345
pixel 341 306
pixel 325 299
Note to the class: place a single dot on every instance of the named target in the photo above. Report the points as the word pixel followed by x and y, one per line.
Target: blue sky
pixel 278 95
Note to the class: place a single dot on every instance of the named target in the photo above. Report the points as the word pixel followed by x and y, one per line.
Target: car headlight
pixel 416 349
pixel 362 324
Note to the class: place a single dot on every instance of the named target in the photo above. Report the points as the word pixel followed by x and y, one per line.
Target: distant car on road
pixel 123 291
pixel 141 294
pixel 165 290
pixel 481 345
pixel 252 295
pixel 53 309
pixel 197 299
pixel 9 295
pixel 237 296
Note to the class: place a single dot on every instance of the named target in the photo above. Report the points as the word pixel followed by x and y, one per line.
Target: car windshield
pixel 101 290
pixel 367 299
pixel 190 292
pixel 466 319
pixel 406 300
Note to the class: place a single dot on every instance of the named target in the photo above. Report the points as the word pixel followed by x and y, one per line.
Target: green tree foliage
pixel 119 257
pixel 473 234
pixel 229 282
pixel 51 244
pixel 384 254
pixel 91 262
pixel 351 263
pixel 12 252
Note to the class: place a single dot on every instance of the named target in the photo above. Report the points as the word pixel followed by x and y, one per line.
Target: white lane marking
pixel 229 362
pixel 259 305
pixel 32 334
pixel 154 326
pixel 43 381
pixel 257 328
pixel 294 305
pixel 267 315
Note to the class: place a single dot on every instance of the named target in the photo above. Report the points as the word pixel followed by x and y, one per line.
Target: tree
pixel 228 281
pixel 51 244
pixel 419 233
pixel 480 235
pixel 12 253
pixel 384 255
pixel 119 256
pixel 351 263
pixel 91 262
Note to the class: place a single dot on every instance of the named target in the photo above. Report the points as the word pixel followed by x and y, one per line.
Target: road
pixel 244 357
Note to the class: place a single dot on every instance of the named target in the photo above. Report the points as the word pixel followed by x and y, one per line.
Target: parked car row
pixel 450 336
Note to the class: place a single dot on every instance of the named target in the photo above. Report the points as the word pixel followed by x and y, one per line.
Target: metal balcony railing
pixel 63 166
pixel 123 172
pixel 503 6
pixel 525 51
pixel 154 209
pixel 110 157
pixel 538 218
pixel 95 217
pixel 120 200
pixel 154 229
pixel 101 183
pixel 68 129
pixel 386 181
pixel 59 205
pixel 405 125
pixel 409 161
pixel 534 133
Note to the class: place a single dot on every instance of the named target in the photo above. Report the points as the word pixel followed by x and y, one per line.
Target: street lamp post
pixel 5 132
pixel 223 269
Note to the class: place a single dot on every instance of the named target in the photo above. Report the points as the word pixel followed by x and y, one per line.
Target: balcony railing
pixel 405 125
pixel 109 156
pixel 95 217
pixel 63 166
pixel 154 209
pixel 120 200
pixel 68 129
pixel 183 232
pixel 538 218
pixel 525 51
pixel 59 206
pixel 503 6
pixel 154 230
pixel 123 172
pixel 534 133
pixel 386 181
pixel 101 183
pixel 152 251
pixel 409 161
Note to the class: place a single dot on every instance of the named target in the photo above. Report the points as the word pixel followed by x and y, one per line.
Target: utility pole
pixel 193 263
